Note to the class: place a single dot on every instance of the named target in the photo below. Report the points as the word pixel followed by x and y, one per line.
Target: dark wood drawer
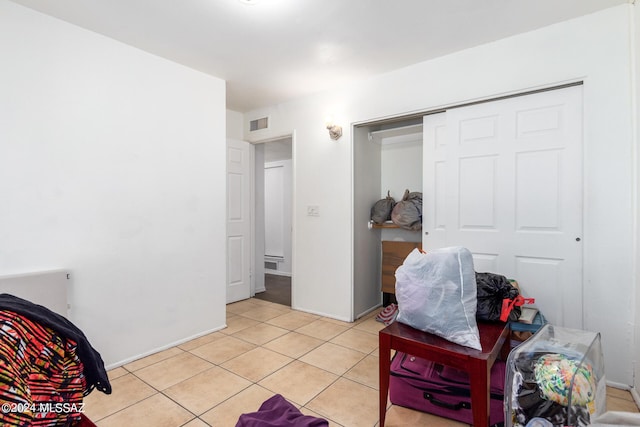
pixel 393 254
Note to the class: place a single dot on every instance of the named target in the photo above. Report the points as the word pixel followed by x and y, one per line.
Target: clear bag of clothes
pixel 555 378
pixel 436 293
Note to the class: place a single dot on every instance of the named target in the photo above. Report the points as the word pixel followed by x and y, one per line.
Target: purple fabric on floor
pixel 278 412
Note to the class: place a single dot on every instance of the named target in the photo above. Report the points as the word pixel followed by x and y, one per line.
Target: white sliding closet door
pixel 504 179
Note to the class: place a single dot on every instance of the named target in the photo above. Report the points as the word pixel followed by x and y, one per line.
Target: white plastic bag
pixel 436 293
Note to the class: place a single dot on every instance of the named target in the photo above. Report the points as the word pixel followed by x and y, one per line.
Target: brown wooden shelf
pixel 372 225
pixel 385 225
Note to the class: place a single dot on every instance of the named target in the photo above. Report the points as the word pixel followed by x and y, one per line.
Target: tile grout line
pixel 157 391
pixel 323 341
pixel 266 376
pixel 329 340
pixel 349 327
pixel 338 377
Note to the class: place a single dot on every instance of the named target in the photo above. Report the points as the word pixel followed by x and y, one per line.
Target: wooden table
pixel 494 338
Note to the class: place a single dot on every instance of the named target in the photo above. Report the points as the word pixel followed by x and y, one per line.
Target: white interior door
pixel 504 179
pixel 238 220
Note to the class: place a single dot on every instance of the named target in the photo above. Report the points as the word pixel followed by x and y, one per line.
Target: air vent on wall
pixel 258 124
pixel 270 265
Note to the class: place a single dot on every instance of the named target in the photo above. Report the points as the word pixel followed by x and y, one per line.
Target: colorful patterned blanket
pixel 41 377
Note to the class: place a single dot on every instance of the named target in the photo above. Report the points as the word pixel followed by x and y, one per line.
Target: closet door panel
pixel 507 184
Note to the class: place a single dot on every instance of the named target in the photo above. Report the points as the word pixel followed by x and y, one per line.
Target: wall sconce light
pixel 335 131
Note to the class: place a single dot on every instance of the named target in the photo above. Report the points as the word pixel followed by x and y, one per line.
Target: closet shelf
pixel 372 225
pixel 387 224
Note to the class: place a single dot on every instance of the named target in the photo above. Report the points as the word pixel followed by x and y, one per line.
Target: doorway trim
pixel 255 260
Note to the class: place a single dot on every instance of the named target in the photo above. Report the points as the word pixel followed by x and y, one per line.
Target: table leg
pixel 506 347
pixel 479 376
pixel 384 364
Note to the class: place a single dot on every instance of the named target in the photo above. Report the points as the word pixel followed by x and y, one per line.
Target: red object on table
pixel 494 339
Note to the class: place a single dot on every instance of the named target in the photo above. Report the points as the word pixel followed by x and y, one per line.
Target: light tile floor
pixel 325 367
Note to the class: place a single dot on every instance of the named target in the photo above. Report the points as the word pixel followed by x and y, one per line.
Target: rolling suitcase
pixel 441 390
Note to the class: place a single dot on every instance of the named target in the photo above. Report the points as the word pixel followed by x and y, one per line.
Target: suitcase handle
pixel 452 406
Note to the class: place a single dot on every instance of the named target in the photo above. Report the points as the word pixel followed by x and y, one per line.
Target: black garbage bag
pixel 492 290
pixel 381 210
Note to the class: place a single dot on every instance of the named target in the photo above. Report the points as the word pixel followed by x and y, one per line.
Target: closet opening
pixel 387 160
pixel 501 177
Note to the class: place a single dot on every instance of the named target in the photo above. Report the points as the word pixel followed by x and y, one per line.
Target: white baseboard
pixel 368 311
pixel 276 272
pixel 164 347
pixel 635 395
pixel 620 386
pixel 318 313
pixel 626 387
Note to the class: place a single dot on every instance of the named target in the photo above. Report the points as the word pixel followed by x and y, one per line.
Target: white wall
pixel 112 165
pixel 635 71
pixel 401 166
pixel 235 123
pixel 595 49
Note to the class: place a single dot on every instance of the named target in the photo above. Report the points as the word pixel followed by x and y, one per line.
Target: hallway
pixel 278 289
